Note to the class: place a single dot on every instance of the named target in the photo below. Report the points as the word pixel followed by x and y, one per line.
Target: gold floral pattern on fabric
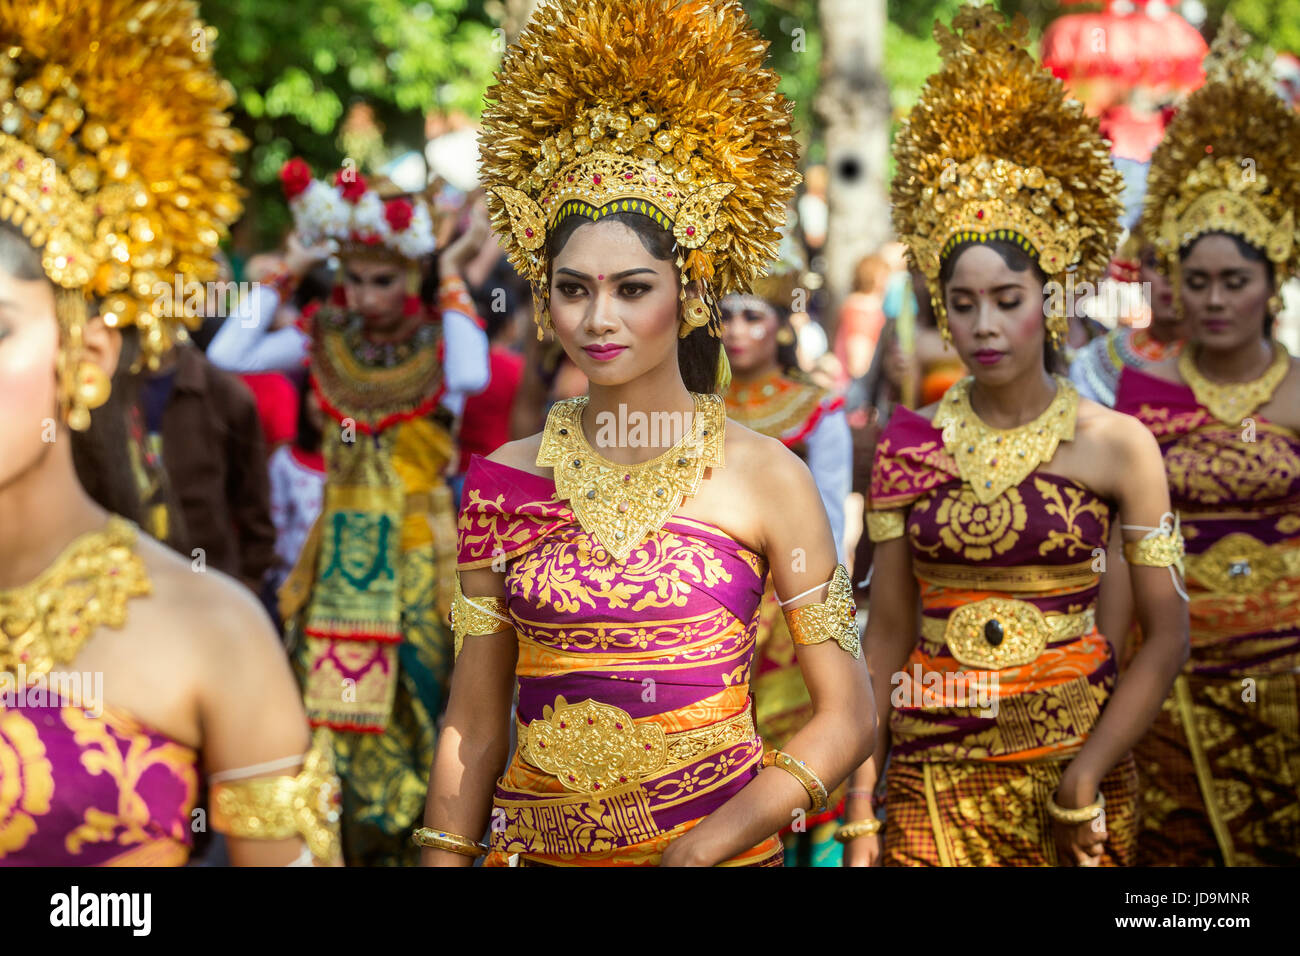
pixel 1050 720
pixel 991 460
pixel 886 524
pixel 590 746
pixel 28 781
pixel 902 473
pixel 1024 578
pixel 101 753
pixel 1070 504
pixel 1240 564
pixel 716 630
pixel 620 504
pixel 660 573
pixel 1213 466
pixel 979 530
pixel 45 623
pixel 1230 402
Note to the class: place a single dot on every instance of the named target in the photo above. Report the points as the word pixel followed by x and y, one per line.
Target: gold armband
pixel 885 525
pixel 1162 547
pixel 801 772
pixel 480 615
pixel 276 808
pixel 836 618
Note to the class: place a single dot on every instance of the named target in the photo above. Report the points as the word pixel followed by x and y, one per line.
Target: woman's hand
pixel 300 259
pixel 453 259
pixel 865 850
pixel 681 852
pixel 1080 844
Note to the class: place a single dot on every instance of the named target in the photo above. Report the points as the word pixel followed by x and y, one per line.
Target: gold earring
pixel 91 391
pixel 695 315
pixel 1275 305
pixel 1057 327
pixel 785 335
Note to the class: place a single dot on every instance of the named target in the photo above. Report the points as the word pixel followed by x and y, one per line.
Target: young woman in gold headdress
pixel 1222 763
pixel 124 670
pixel 612 566
pixel 1009 735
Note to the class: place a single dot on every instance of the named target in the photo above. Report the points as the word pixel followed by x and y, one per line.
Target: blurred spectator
pixel 297 480
pixel 862 317
pixel 203 424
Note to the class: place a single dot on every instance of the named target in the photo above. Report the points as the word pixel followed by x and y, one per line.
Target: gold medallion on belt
pixel 1002 632
pixel 594 748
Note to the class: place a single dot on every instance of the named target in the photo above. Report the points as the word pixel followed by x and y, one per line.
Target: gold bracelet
pixel 451 842
pixel 1081 815
pixel 800 771
pixel 858 828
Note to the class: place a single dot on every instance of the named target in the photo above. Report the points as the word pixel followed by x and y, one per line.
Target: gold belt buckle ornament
pixel 1239 564
pixel 593 748
pixel 996 633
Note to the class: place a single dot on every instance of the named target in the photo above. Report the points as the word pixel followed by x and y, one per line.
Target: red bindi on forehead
pixel 601 277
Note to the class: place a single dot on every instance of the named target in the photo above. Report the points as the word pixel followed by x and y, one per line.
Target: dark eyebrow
pixel 620 275
pixel 1230 271
pixel 997 288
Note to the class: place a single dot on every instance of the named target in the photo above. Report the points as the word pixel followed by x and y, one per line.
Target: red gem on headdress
pixel 979 213
pixel 20 163
pixel 690 230
pixel 528 233
pixel 1220 207
pixel 596 178
pixel 1209 149
pixel 670 192
pixel 570 179
pixel 627 175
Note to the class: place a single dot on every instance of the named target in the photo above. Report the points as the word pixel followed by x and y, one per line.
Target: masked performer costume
pixel 368 602
pixel 1221 766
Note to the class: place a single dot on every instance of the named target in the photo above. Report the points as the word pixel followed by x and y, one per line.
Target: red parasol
pixel 1152 46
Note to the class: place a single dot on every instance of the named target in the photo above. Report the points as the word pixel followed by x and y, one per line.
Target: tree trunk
pixel 852 105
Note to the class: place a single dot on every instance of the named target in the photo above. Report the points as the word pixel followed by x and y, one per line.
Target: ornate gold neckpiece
pixel 45 623
pixel 620 504
pixel 1230 402
pixel 993 459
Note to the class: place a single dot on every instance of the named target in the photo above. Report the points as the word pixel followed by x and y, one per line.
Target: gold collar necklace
pixel 1230 402
pixel 992 460
pixel 620 504
pixel 46 623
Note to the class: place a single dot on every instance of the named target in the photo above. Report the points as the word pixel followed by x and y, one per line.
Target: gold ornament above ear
pixel 785 335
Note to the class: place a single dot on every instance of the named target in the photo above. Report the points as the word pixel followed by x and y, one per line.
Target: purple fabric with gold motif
pixel 667 638
pixel 83 790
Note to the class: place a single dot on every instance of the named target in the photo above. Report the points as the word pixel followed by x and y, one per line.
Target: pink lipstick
pixel 603 353
pixel 988 356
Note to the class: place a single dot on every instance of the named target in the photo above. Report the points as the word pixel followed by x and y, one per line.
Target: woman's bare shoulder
pixel 522 454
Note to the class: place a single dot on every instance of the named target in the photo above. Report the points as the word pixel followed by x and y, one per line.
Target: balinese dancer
pixel 124 673
pixel 639 159
pixel 1009 732
pixel 1221 765
pixel 367 604
pixel 770 394
pixel 1096 367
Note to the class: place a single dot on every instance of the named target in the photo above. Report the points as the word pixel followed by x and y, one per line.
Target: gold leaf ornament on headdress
pixel 995 150
pixel 1229 162
pixel 659 107
pixel 116 157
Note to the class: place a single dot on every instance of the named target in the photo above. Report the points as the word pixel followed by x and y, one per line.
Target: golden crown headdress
pixel 660 107
pixel 116 157
pixel 995 150
pixel 1229 162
